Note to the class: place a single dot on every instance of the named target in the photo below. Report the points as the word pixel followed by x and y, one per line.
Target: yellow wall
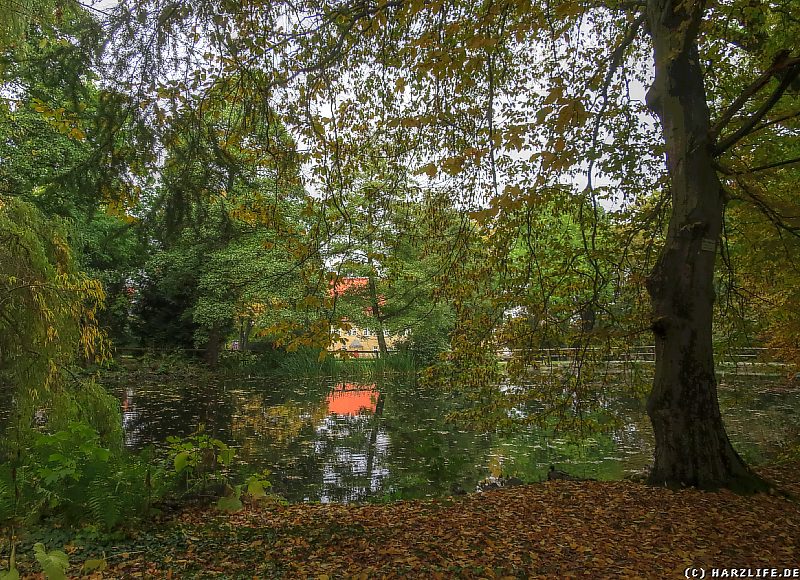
pixel 356 336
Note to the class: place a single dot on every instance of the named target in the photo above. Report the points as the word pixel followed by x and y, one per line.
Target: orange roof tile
pixel 342 285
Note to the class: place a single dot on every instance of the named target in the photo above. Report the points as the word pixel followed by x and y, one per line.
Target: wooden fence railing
pixel 640 354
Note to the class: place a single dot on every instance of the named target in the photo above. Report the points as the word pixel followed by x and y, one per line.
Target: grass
pixel 308 364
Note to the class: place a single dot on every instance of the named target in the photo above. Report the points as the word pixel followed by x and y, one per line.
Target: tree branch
pixel 725 170
pixel 355 17
pixel 768 211
pixel 769 166
pixel 776 121
pixel 791 67
pixel 740 101
pixel 614 62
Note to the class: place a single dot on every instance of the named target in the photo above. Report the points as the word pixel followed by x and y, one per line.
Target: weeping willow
pixel 47 325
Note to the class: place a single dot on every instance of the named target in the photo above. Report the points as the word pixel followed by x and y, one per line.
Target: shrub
pixel 71 474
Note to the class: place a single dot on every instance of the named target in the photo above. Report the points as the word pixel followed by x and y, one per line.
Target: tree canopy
pixel 582 158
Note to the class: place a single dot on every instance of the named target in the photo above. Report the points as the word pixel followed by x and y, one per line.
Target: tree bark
pixel 245 329
pixel 376 314
pixel 692 446
pixel 213 346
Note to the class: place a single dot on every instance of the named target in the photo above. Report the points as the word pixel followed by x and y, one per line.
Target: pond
pixel 339 440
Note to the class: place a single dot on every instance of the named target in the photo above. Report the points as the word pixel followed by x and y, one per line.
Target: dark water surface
pixel 339 440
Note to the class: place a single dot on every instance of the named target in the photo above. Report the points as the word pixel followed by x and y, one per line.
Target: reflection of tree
pixel 373 438
pixel 428 454
pixel 257 425
pixel 351 443
pixel 275 428
pixel 395 441
pixel 756 411
pixel 605 451
pixel 321 442
pixel 152 411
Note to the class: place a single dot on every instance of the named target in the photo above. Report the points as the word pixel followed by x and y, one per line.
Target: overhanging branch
pixel 767 210
pixel 791 69
pixel 614 62
pixel 355 16
pixel 740 101
pixel 776 121
pixel 770 166
pixel 726 170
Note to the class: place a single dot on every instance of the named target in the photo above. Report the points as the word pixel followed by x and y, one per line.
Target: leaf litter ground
pixel 558 529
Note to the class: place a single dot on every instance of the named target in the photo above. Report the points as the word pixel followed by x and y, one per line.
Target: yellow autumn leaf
pixel 453 165
pixel 555 94
pixel 430 170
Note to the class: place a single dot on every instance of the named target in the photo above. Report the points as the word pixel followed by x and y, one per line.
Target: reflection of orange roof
pixel 352 399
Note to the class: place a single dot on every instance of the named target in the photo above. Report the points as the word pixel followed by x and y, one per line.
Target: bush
pixel 424 347
pixel 71 474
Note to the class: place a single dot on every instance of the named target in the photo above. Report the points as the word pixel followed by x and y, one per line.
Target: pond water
pixel 333 439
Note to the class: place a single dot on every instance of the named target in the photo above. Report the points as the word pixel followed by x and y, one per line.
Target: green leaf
pixel 54 563
pixel 181 461
pixel 97 565
pixel 226 456
pixel 229 503
pixel 255 487
pixel 10 575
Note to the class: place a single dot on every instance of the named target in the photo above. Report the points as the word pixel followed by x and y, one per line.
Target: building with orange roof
pixel 361 341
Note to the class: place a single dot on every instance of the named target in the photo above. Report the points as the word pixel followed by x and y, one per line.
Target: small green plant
pixel 255 486
pixel 200 459
pixel 258 484
pixel 202 462
pixel 54 563
pixel 231 502
pixel 67 457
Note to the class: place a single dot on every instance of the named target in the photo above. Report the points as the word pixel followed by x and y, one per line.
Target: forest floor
pixel 557 529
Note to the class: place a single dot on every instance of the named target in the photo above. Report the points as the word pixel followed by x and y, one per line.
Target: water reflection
pixel 349 399
pixel 329 440
pixel 352 444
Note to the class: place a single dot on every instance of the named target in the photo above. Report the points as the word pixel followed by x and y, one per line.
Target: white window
pixel 353 331
pixel 375 348
pixel 366 332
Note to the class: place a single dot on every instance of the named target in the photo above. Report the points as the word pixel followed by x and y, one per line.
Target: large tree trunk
pixel 376 314
pixel 213 346
pixel 692 447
